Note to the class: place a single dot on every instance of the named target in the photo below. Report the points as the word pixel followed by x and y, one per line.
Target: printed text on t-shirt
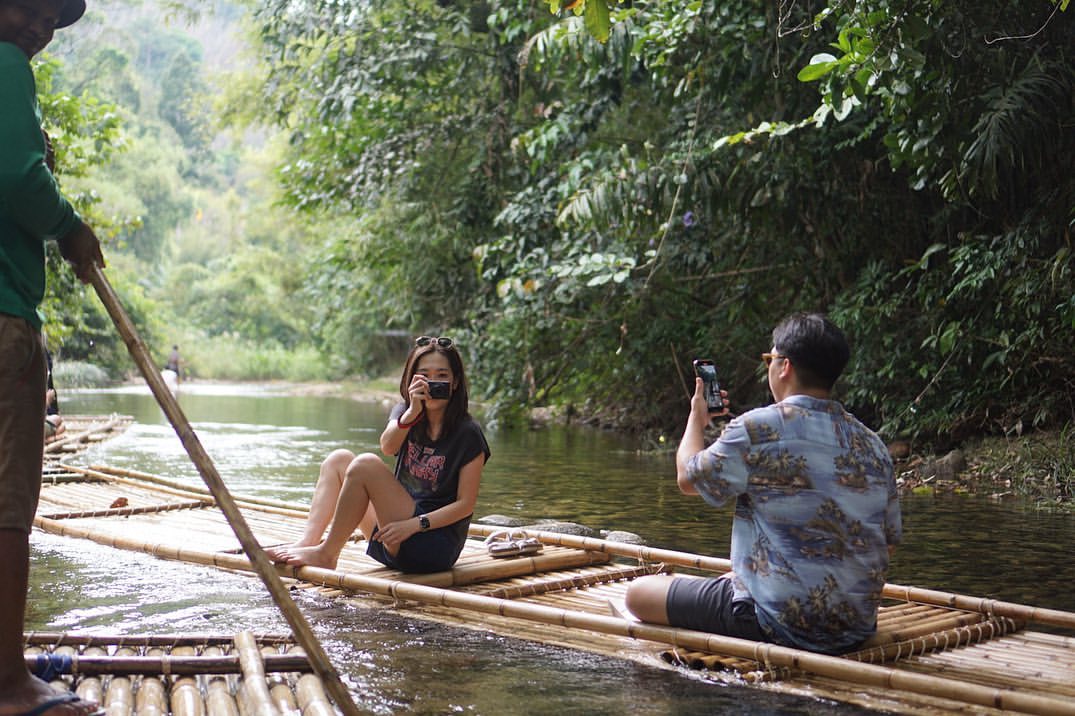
pixel 423 463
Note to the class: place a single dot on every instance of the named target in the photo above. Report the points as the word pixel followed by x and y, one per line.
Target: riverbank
pixel 1036 466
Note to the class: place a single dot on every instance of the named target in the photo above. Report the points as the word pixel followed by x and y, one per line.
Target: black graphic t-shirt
pixel 429 471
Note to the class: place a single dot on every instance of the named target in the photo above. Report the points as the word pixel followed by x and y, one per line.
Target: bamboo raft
pixel 184 675
pixel 934 652
pixel 82 431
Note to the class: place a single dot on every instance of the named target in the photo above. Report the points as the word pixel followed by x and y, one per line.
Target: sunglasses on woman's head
pixel 426 340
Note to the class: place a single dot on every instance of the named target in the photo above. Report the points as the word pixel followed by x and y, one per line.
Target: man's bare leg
pixel 19 691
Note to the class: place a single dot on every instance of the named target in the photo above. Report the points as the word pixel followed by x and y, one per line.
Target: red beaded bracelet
pixel 411 424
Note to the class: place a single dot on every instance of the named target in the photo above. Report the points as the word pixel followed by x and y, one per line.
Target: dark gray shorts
pixel 706 605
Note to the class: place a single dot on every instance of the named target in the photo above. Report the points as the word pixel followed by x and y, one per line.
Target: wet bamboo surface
pixel 183 675
pixel 926 658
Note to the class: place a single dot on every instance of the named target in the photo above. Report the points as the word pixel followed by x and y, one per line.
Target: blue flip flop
pixel 67 699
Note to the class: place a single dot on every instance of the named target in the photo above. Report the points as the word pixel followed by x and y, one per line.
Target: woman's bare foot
pixel 314 556
pixel 35 696
pixel 277 551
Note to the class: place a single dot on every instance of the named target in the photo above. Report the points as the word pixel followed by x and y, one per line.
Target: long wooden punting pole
pixel 769 655
pixel 1023 612
pixel 262 565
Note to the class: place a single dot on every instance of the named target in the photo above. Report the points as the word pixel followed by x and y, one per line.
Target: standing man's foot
pixel 37 698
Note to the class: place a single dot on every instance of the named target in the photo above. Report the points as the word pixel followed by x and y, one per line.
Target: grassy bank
pixel 1036 466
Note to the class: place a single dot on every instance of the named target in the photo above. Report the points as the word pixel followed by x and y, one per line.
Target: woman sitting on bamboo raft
pixel 416 520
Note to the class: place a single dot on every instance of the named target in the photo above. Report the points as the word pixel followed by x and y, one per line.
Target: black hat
pixel 72 11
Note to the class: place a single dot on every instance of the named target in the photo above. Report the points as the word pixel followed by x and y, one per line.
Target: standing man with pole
pixel 32 211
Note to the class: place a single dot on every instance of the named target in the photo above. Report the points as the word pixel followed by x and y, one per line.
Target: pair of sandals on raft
pixel 511 543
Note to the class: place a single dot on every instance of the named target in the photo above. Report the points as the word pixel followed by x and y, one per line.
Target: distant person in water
pixel 173 361
pixel 816 508
pixel 33 210
pixel 416 519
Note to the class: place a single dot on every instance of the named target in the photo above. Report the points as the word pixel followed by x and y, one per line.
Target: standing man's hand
pixel 82 249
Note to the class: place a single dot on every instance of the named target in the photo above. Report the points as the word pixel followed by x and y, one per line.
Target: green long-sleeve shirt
pixel 32 209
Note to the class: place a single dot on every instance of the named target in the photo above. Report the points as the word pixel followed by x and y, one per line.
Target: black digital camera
pixel 705 370
pixel 439 389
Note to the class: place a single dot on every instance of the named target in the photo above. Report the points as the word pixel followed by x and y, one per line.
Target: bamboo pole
pixel 90 688
pixel 49 638
pixel 1022 612
pixel 176 663
pixel 252 663
pixel 218 698
pixel 279 686
pixel 128 511
pixel 263 566
pixel 186 696
pixel 119 697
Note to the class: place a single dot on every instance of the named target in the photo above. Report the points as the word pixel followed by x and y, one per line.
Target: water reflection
pixel 269 444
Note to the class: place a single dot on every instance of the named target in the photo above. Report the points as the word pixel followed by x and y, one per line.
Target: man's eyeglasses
pixel 770 357
pixel 426 340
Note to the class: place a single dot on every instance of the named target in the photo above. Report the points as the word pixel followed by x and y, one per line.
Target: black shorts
pixel 706 605
pixel 423 552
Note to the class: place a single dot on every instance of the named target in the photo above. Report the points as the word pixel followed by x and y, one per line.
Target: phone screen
pixel 708 373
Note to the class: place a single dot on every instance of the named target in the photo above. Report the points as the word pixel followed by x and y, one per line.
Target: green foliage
pixel 175 216
pixel 233 357
pixel 995 353
pixel 76 374
pixel 595 14
pixel 594 197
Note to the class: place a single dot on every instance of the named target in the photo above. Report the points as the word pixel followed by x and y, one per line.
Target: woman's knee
pixel 365 466
pixel 338 460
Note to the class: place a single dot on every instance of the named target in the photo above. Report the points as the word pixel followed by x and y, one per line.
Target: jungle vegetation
pixel 588 195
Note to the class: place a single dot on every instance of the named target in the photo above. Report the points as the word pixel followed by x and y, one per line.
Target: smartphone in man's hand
pixel 707 371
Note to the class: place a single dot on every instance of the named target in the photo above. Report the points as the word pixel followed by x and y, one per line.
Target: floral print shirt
pixel 816 509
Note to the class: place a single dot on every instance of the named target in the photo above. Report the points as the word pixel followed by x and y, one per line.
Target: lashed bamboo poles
pixel 49 638
pixel 262 565
pixel 921 644
pixel 576 582
pixel 109 471
pixel 127 511
pixel 83 435
pixel 770 655
pixel 1022 612
pixel 176 664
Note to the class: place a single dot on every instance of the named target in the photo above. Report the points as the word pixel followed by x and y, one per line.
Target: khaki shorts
pixel 22 421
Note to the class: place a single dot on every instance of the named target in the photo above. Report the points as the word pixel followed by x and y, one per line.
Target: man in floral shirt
pixel 816 509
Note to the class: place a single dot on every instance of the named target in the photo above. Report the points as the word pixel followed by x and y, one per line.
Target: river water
pixel 268 443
